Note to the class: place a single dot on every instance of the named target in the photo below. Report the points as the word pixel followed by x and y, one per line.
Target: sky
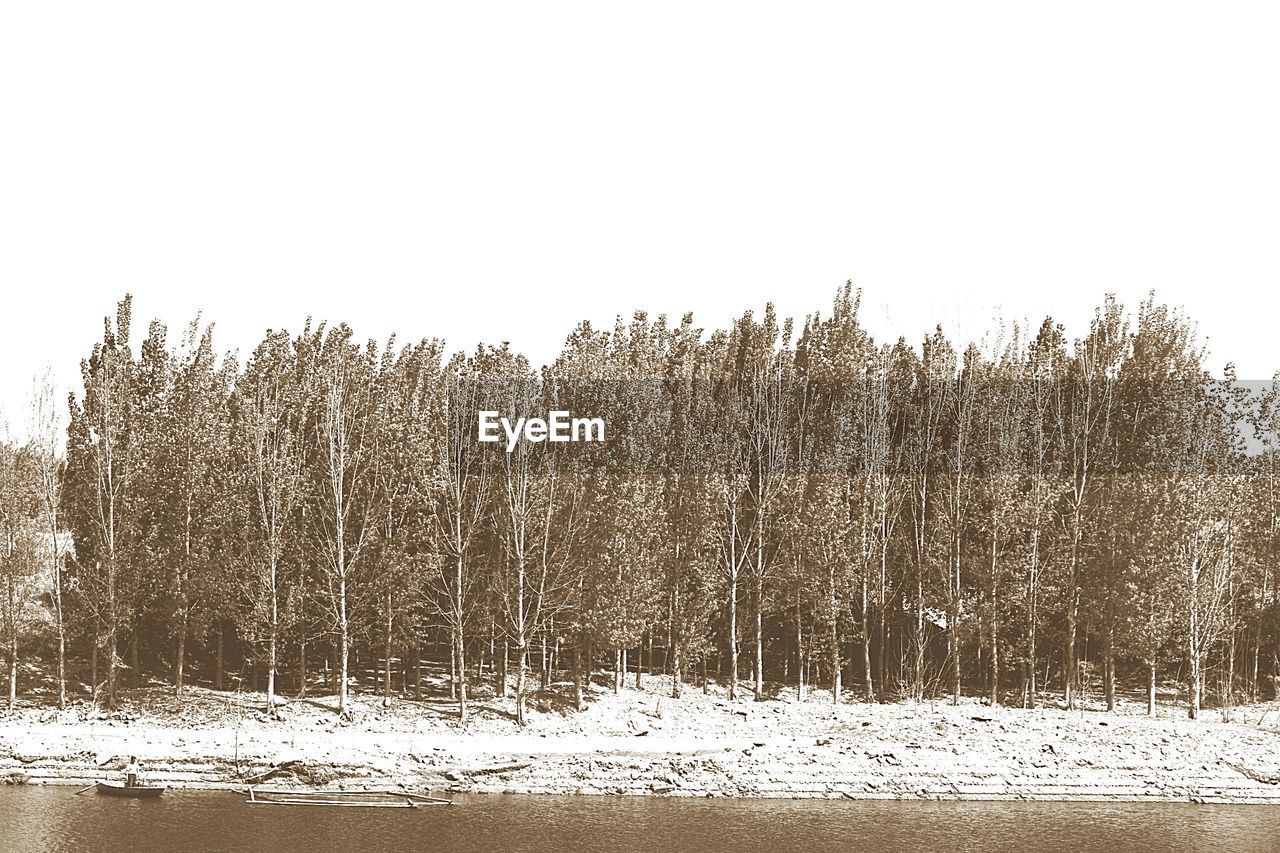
pixel 502 171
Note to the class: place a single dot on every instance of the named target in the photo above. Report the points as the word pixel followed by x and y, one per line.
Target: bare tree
pixel 346 458
pixel 45 440
pixel 103 468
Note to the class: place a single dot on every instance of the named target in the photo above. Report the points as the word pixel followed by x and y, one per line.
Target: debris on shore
pixel 701 746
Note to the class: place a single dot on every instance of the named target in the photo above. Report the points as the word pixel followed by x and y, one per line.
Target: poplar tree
pixel 268 445
pixel 104 467
pixel 344 463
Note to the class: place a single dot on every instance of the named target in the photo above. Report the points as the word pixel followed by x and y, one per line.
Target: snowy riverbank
pixel 641 742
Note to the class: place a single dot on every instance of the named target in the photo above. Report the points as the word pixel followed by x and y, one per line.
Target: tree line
pixel 776 507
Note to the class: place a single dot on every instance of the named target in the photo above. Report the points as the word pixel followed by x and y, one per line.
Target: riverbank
pixel 641 742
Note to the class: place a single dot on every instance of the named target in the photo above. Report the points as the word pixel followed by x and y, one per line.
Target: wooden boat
pixel 136 792
pixel 356 799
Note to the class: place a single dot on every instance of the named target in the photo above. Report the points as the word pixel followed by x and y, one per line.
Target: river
pixel 53 819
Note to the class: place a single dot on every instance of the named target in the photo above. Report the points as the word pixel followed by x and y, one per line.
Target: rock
pixel 454 776
pixel 104 758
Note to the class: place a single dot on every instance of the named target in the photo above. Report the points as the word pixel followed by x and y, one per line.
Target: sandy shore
pixel 640 742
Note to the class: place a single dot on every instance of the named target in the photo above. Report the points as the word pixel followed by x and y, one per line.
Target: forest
pixel 1036 516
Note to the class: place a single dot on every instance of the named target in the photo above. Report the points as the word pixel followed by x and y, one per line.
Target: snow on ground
pixel 640 741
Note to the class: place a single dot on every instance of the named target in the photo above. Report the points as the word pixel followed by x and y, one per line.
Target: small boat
pixel 357 799
pixel 137 792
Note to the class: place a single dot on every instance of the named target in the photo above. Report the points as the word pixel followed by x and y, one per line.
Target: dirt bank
pixel 641 742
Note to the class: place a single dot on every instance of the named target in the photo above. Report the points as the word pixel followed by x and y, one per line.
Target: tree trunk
pixel 1108 655
pixel 502 671
pixel 955 643
pixel 386 650
pixel 135 670
pixel 302 665
pixel 995 665
pixel 180 657
pixel 676 675
pixel 547 665
pixel 733 637
pixel 272 643
pixel 1151 689
pixel 869 684
pixel 1229 694
pixel 13 670
pixel 112 628
pixel 62 661
pixel 453 667
pixel 1254 693
pixel 522 666
pixel 271 673
pixel 577 675
pixel 344 636
pixel 220 666
pixel 882 649
pixel 833 639
pixel 460 649
pixel 917 662
pixel 759 662
pixel 671 660
pixel 1069 666
pixel 1193 642
pixel 1193 706
pixel 799 653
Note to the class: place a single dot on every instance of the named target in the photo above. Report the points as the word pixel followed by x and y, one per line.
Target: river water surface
pixel 53 819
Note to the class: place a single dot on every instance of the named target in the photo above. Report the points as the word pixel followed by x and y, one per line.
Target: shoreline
pixel 638 743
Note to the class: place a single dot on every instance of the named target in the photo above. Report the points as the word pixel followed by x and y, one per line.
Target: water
pixel 52 819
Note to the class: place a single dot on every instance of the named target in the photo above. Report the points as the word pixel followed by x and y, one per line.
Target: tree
pixel 44 453
pixel 19 555
pixel 104 465
pixel 1006 406
pixel 458 485
pixel 410 446
pixel 927 402
pixel 344 461
pixel 1083 414
pixel 269 439
pixel 188 458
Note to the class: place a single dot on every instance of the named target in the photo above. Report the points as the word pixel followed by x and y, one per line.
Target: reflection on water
pixel 53 819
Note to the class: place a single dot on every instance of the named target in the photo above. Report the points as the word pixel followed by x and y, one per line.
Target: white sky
pixel 498 172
